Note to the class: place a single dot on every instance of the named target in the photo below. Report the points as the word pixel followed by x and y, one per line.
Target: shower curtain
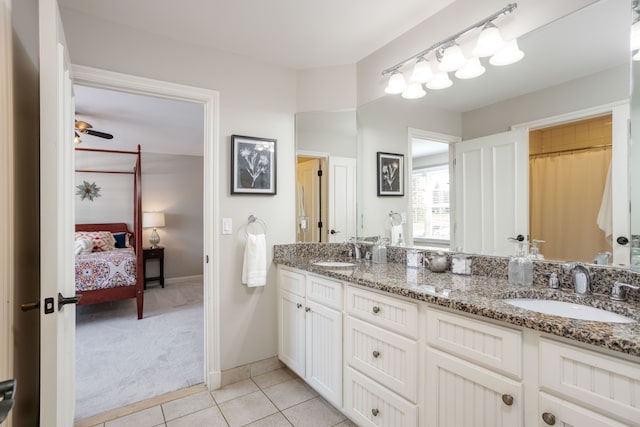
pixel 566 192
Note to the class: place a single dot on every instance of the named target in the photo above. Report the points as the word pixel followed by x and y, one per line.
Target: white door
pixel 324 351
pixel 57 329
pixel 491 192
pixel 342 199
pixel 291 331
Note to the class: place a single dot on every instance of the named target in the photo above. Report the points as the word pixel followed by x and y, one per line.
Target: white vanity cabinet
pixel 310 330
pixel 473 372
pixel 381 354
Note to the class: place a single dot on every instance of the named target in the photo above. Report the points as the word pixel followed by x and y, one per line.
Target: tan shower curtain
pixel 565 196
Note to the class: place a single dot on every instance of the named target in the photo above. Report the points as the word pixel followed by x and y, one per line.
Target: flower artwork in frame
pixel 390 174
pixel 253 165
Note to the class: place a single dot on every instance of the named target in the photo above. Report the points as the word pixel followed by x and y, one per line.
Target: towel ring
pixel 258 222
pixel 395 218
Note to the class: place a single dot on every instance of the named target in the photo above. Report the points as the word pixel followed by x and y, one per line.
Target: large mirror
pixel 514 138
pixel 634 157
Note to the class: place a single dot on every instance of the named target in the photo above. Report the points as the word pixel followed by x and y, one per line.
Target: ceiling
pixel 561 51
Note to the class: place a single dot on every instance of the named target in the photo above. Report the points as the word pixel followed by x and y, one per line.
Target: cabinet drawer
pixel 291 281
pixel 568 414
pixel 492 346
pixel 391 313
pixel 389 358
pixel 601 382
pixel 367 403
pixel 324 291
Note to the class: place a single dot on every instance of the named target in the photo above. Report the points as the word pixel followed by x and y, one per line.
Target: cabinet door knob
pixel 376 354
pixel 307 309
pixel 299 305
pixel 376 309
pixel 375 412
pixel 549 418
pixel 507 399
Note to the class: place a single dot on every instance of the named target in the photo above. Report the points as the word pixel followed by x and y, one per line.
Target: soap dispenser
pixel 520 266
pixel 534 253
pixel 379 255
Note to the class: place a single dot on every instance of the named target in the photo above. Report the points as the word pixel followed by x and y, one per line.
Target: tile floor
pixel 277 398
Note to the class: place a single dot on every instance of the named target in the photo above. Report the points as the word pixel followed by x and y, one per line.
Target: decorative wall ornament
pixel 88 190
pixel 253 165
pixel 390 174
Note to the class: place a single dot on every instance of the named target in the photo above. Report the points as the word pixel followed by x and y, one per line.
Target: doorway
pixel 91 77
pixel 311 198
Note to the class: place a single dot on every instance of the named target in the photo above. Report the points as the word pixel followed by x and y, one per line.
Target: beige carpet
pixel 122 360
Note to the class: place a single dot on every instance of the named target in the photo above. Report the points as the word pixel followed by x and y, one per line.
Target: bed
pixel 116 273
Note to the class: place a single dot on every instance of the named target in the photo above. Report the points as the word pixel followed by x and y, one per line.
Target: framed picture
pixel 390 174
pixel 253 165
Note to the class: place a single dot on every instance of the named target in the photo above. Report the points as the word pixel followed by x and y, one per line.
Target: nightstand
pixel 153 253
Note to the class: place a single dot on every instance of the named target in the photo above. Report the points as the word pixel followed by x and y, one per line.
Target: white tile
pixel 232 391
pixel 264 366
pixel 210 417
pixel 274 377
pixel 187 405
pixel 275 420
pixel 234 375
pixel 246 409
pixel 314 413
pixel 289 393
pixel 148 418
pixel 346 423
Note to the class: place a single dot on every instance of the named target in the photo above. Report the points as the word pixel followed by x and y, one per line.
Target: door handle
pixel 332 231
pixel 29 306
pixel 7 390
pixel 67 300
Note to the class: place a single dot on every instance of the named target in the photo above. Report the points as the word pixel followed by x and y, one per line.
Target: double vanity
pixel 395 346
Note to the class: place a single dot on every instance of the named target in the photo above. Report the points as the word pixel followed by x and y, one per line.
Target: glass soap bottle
pixel 520 267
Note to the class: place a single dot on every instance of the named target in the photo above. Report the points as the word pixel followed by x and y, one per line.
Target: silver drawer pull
pixel 375 412
pixel 507 399
pixel 375 309
pixel 549 418
pixel 307 309
pixel 376 354
pixel 299 305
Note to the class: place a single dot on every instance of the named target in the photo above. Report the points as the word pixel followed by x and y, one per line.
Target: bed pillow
pixel 102 240
pixel 84 246
pixel 122 240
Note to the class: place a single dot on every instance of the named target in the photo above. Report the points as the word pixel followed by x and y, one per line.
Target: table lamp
pixel 153 220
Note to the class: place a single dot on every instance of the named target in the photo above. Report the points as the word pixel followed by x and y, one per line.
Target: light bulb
pixel 440 80
pixel 471 69
pixel 452 59
pixel 421 71
pixel 489 41
pixel 509 54
pixel 396 83
pixel 414 91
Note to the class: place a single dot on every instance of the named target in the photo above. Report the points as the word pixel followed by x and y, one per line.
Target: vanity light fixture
pixel 450 58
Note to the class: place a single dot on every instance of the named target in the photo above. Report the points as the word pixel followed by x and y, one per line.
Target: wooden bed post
pixel 137 215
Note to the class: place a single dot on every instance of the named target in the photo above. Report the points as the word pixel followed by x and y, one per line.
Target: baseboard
pixel 239 373
pixel 175 280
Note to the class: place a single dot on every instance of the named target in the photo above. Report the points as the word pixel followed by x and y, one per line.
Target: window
pixel 430 199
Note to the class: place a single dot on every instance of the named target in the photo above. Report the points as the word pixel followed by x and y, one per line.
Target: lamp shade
pixel 509 54
pixel 396 84
pixel 471 69
pixel 152 219
pixel 489 41
pixel 422 71
pixel 452 59
pixel 413 91
pixel 440 80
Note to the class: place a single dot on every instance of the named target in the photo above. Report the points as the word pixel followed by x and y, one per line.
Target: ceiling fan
pixel 87 129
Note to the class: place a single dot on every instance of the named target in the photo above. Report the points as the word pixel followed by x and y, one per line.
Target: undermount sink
pixel 334 264
pixel 568 309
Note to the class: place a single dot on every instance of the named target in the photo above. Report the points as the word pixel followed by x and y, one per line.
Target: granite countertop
pixel 484 296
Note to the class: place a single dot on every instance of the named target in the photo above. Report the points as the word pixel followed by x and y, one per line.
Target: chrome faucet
pixel 357 251
pixel 619 291
pixel 581 277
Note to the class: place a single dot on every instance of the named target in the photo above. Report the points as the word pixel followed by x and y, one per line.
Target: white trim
pixel 183 279
pixel 210 99
pixel 432 136
pixel 6 194
pixel 316 154
pixel 570 117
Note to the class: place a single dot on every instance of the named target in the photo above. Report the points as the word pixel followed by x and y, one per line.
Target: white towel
pixel 84 246
pixel 396 234
pixel 254 268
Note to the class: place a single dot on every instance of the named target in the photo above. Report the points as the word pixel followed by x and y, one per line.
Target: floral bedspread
pixel 101 270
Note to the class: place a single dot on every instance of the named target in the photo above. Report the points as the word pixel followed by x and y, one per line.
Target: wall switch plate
pixel 227 226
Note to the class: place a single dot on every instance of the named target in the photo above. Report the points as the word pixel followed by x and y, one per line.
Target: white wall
pixel 334 132
pixel 256 99
pixel 327 88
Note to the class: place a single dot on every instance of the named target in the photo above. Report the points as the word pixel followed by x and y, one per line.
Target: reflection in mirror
pixel 325 176
pixel 634 155
pixel 572 71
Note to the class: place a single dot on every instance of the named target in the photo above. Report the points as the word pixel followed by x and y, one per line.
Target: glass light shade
pixel 414 91
pixel 440 80
pixel 489 41
pixel 396 84
pixel 509 54
pixel 422 72
pixel 452 59
pixel 635 36
pixel 471 69
pixel 152 219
